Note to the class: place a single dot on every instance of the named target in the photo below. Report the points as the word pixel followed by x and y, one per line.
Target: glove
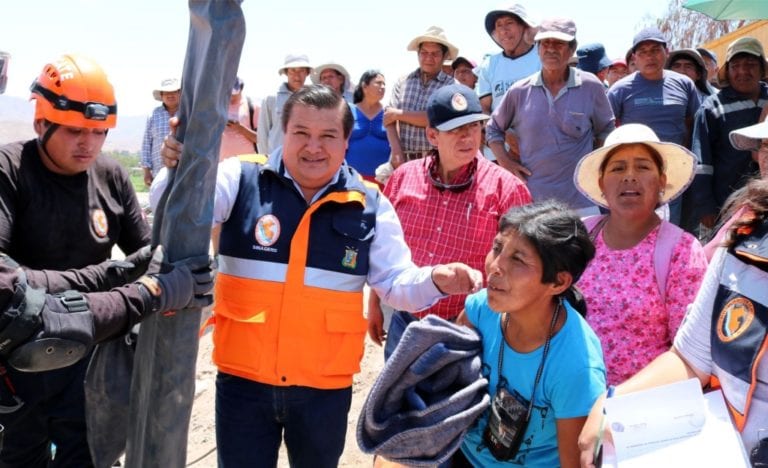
pixel 129 270
pixel 183 284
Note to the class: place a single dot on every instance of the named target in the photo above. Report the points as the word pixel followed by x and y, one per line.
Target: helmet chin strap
pixel 43 140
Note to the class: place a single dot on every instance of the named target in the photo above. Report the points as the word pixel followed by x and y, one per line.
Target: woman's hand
pixel 590 433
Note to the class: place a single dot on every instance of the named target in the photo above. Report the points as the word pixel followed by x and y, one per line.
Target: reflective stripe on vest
pixel 739 336
pixel 288 324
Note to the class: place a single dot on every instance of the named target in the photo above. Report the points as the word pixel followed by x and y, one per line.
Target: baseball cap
pixel 452 106
pixel 562 29
pixel 651 33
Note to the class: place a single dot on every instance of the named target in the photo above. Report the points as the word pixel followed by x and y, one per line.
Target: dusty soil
pixel 201 448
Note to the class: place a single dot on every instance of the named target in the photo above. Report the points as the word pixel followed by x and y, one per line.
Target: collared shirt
pixel 554 132
pixel 392 274
pixel 443 225
pixel 411 95
pixel 156 130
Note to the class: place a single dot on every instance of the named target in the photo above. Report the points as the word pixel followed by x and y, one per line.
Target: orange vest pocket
pixel 241 335
pixel 346 342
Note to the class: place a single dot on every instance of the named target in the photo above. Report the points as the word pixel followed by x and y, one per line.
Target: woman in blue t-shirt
pixel 368 144
pixel 531 331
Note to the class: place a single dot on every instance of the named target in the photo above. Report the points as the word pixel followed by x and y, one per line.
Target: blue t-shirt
pixel 368 144
pixel 498 72
pixel 573 378
pixel 661 104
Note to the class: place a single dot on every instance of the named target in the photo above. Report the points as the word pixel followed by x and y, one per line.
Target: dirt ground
pixel 201 448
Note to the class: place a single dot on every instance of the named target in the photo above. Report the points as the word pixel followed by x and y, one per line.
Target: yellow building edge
pixel 757 29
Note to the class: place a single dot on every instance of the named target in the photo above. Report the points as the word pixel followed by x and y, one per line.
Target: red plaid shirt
pixel 444 226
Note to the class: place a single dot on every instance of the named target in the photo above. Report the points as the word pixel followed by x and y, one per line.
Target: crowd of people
pixel 550 198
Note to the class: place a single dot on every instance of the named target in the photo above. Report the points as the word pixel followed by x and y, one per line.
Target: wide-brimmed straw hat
pixel 315 75
pixel 679 163
pixel 167 85
pixel 749 138
pixel 437 35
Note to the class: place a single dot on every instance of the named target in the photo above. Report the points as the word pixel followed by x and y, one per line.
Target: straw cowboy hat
pixel 749 138
pixel 315 75
pixel 437 35
pixel 679 163
pixel 167 85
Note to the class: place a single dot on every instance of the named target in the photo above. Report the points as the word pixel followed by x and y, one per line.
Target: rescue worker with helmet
pixel 62 206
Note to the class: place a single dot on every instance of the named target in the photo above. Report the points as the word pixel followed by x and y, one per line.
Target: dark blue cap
pixel 651 33
pixel 453 106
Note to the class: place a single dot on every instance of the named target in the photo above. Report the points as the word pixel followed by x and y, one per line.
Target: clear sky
pixel 138 42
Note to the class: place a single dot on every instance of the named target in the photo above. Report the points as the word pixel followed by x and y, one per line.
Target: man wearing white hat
pixel 157 127
pixel 406 115
pixel 512 29
pixel 296 68
pixel 335 76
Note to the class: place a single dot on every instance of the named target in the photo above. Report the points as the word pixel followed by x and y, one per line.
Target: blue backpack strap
pixel 668 237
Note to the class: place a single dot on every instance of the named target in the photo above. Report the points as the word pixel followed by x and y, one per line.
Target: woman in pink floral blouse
pixel 645 271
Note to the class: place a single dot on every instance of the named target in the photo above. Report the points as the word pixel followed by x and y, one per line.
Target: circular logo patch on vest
pixel 99 223
pixel 734 319
pixel 459 102
pixel 267 230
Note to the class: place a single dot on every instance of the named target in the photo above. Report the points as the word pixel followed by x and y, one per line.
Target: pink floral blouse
pixel 625 308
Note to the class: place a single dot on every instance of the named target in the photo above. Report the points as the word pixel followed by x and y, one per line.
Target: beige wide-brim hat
pixel 749 138
pixel 318 70
pixel 437 35
pixel 679 163
pixel 294 61
pixel 167 85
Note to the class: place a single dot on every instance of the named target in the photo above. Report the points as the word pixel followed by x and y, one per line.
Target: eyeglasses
pixel 91 110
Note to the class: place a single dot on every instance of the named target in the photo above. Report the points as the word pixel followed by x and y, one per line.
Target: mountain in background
pixel 16 124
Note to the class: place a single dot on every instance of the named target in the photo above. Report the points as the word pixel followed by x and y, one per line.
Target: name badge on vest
pixel 350 258
pixel 267 230
pixel 99 223
pixel 735 318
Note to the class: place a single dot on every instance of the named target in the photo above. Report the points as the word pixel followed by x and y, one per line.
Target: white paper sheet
pixel 672 426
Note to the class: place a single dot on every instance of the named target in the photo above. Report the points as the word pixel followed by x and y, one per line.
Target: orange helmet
pixel 74 91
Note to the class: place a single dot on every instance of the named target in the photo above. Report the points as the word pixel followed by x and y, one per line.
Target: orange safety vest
pixel 293 319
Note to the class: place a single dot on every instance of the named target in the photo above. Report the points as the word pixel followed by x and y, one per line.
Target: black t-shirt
pixel 52 221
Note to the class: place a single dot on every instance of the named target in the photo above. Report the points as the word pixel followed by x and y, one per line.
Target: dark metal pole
pixel 163 384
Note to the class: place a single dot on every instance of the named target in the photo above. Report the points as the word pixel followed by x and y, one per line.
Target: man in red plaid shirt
pixel 449 202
